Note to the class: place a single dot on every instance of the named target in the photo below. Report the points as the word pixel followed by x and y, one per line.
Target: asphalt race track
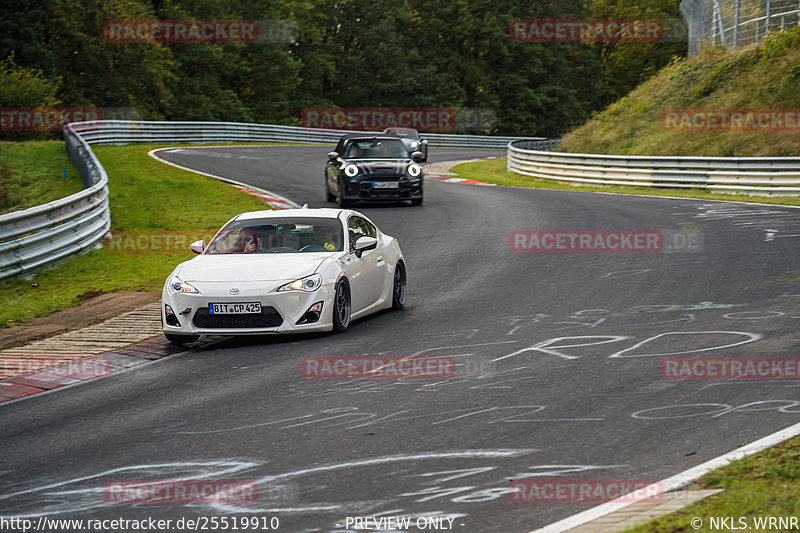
pixel 560 375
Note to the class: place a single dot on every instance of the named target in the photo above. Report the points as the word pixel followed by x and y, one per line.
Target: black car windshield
pixel 376 149
pixel 277 236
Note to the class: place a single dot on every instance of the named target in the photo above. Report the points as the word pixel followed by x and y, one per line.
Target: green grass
pixel 145 195
pixel 754 77
pixel 766 484
pixel 32 173
pixel 494 171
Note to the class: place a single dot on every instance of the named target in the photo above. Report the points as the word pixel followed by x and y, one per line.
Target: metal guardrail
pixel 750 175
pixel 46 234
pixel 40 236
pixel 43 235
pixel 125 132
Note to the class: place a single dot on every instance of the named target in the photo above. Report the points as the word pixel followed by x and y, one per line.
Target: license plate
pixel 234 309
pixel 385 185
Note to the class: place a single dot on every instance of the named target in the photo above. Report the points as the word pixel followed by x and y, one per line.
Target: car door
pixel 368 272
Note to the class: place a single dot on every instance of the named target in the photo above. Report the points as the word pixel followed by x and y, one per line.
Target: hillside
pixel 721 103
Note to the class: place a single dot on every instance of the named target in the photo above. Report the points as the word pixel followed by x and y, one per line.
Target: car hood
pixel 251 267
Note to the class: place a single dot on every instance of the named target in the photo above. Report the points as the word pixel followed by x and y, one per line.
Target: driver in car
pixel 326 236
pixel 260 242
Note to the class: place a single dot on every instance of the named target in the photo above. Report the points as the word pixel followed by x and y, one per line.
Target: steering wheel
pixel 279 250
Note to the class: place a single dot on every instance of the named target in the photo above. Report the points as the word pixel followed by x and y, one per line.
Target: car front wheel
pixel 341 307
pixel 328 196
pixel 399 286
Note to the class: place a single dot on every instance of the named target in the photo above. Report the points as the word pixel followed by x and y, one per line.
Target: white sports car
pixel 295 270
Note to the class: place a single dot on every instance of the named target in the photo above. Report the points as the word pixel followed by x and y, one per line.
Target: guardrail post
pixel 768 21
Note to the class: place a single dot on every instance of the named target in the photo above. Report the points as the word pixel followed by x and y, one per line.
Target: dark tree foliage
pixel 349 53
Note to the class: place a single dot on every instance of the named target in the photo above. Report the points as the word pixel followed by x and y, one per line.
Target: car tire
pixel 180 340
pixel 416 201
pixel 341 307
pixel 328 196
pixel 399 286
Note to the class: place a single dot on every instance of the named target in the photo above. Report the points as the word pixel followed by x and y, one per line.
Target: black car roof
pixel 350 136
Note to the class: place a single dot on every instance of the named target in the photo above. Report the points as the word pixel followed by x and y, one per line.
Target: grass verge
pixel 712 85
pixel 494 171
pixel 32 173
pixel 145 196
pixel 763 485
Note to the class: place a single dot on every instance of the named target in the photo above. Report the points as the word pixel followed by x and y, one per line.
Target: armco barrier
pixel 125 132
pixel 748 175
pixel 43 235
pixel 40 236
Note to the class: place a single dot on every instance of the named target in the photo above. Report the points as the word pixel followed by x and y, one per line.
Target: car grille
pixel 268 318
pixel 385 171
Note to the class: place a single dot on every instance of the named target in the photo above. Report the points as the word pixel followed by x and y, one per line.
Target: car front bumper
pixel 280 311
pixel 366 190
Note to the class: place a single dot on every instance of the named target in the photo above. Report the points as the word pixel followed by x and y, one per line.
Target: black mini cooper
pixel 374 168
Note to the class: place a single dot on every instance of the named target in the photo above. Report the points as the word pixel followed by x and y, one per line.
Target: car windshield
pixel 277 236
pixel 376 149
pixel 404 134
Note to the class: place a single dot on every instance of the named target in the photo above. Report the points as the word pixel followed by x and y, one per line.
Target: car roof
pixel 400 128
pixel 350 136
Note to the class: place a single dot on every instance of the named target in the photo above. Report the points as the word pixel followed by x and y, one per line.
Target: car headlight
pixel 307 284
pixel 177 285
pixel 414 145
pixel 351 171
pixel 414 170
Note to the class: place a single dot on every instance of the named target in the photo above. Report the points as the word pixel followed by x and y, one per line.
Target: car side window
pixel 358 227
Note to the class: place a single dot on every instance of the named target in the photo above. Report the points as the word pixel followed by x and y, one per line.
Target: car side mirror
pixel 198 246
pixel 424 141
pixel 417 156
pixel 365 243
pixel 333 156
